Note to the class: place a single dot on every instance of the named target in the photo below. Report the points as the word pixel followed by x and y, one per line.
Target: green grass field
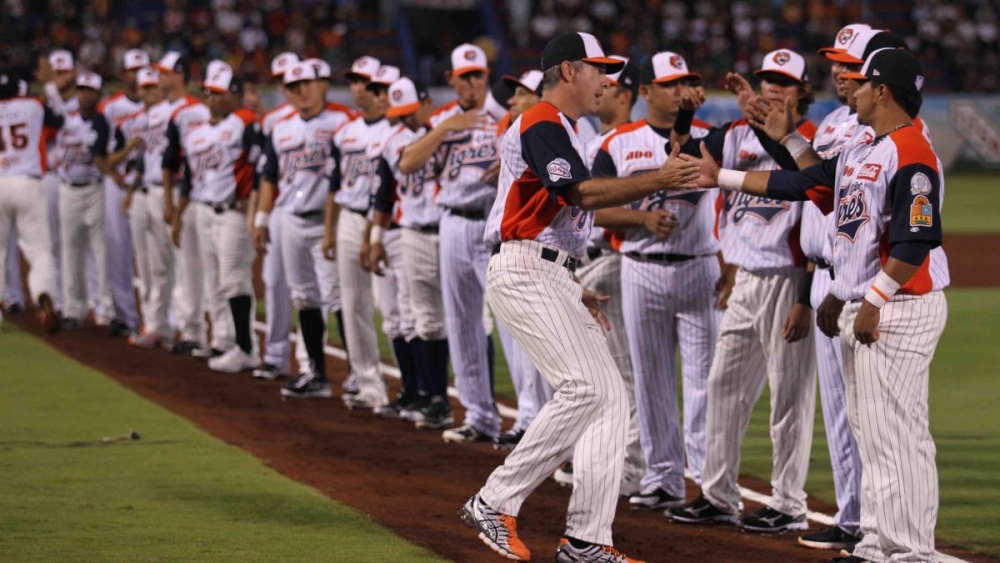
pixel 970 202
pixel 175 495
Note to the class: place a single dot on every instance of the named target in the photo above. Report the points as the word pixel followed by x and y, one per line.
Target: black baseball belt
pixel 663 257
pixel 550 255
pixel 470 214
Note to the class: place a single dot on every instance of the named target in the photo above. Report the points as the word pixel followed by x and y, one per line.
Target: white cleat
pixel 234 361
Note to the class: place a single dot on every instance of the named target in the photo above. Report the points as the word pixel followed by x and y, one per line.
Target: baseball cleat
pixel 119 328
pixel 350 385
pixel 769 520
pixel 509 439
pixel 564 475
pixel 655 499
pixel 832 537
pixel 184 347
pixel 268 371
pixel 465 433
pixel 414 410
pixel 360 401
pixel 205 353
pixel 593 553
pixel 307 386
pixel 234 360
pixel 700 511
pixel 393 409
pixel 70 323
pixel 436 416
pixel 148 340
pixel 51 322
pixel 13 309
pixel 498 531
pixel 849 559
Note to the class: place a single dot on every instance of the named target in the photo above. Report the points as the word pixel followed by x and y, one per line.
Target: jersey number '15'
pixel 17 139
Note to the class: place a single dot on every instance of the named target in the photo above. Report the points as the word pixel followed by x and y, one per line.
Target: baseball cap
pixel 468 58
pixel 530 80
pixel 134 59
pixel 172 61
pixel 300 72
pixel 894 67
pixel 87 79
pixel 386 75
pixel 577 46
pixel 281 63
pixel 845 36
pixel 785 62
pixel 61 60
pixel 219 78
pixel 627 77
pixel 322 68
pixel 866 43
pixel 148 76
pixel 498 98
pixel 405 97
pixel 666 66
pixel 363 68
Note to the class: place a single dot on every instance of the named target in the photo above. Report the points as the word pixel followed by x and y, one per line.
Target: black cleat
pixel 509 439
pixel 768 520
pixel 700 511
pixel 832 537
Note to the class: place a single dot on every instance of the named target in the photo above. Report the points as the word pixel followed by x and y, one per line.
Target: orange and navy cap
pixel 893 67
pixel 405 96
pixel 785 62
pixel 578 46
pixel 866 43
pixel 845 37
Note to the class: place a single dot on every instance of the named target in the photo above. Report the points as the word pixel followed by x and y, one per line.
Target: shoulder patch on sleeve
pixel 921 213
pixel 559 169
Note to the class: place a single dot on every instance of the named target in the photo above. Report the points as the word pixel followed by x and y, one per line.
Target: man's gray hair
pixel 553 74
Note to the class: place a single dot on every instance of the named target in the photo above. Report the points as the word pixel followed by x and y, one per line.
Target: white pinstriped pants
pixel 22 209
pixel 887 389
pixel 749 354
pixel 670 306
pixel 531 388
pixel 539 302
pixel 422 262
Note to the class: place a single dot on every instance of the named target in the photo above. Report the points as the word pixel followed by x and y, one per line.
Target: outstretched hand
pixel 678 172
pixel 707 167
pixel 692 97
pixel 592 301
pixel 777 122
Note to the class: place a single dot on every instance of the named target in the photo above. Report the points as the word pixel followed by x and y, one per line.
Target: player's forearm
pixel 619 218
pixel 265 199
pixel 894 275
pixel 108 169
pixel 420 151
pixel 381 219
pixel 117 157
pixel 330 219
pixel 753 183
pixel 599 193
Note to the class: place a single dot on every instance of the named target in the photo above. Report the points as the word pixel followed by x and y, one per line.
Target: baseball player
pixel 419 217
pixel 346 228
pixel 219 159
pixel 890 273
pixel 667 290
pixel 538 230
pixel 24 124
pixel 116 109
pixel 765 335
pixel 463 139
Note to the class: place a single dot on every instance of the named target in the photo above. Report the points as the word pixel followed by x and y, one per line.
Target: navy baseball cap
pixel 577 46
pixel 8 83
pixel 502 93
pixel 627 77
pixel 893 67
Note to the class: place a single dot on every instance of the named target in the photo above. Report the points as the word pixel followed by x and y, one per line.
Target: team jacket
pixel 79 141
pixel 356 160
pixel 219 158
pixel 755 233
pixel 299 160
pixel 638 148
pixel 155 137
pixel 537 164
pixel 883 193
pixel 25 126
pixel 414 194
pixel 462 159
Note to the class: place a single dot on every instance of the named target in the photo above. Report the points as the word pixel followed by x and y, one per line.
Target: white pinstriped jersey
pixel 60 107
pixel 540 156
pixel 757 233
pixel 299 160
pixel 79 141
pixel 219 158
pixel 187 118
pixel 598 235
pixel 833 135
pixel 117 109
pixel 462 159
pixel 272 117
pixel 155 137
pixel 355 164
pixel 133 126
pixel 638 148
pixel 418 191
pixel 25 125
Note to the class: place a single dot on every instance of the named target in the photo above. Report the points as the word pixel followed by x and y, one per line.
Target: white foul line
pixel 511 413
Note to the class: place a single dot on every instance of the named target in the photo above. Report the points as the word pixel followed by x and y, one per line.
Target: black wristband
pixel 682 125
pixel 805 290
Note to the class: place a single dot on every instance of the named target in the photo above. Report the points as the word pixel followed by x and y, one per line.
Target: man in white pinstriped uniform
pixel 463 139
pixel 667 290
pixel 538 229
pixel 765 336
pixel 890 273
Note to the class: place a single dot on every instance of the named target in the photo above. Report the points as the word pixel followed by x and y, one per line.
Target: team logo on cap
pixel 677 62
pixel 781 58
pixel 297 71
pixel 919 82
pixel 470 55
pixel 361 62
pixel 382 71
pixel 397 96
pixel 845 36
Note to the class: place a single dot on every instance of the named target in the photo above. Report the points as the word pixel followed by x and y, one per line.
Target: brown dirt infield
pixel 406 480
pixel 974 260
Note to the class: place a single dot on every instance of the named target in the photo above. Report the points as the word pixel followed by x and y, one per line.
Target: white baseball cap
pixel 468 58
pixel 530 80
pixel 135 59
pixel 281 63
pixel 404 97
pixel 786 62
pixel 61 60
pixel 364 68
pixel 845 37
pixel 665 66
pixel 219 78
pixel 87 79
pixel 148 76
pixel 300 72
pixel 322 68
pixel 866 43
pixel 386 75
pixel 172 61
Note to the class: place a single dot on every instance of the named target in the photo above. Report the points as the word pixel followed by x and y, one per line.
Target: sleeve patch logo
pixel 870 172
pixel 920 184
pixel 921 213
pixel 559 169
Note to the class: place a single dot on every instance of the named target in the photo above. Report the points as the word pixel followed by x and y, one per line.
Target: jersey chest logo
pixel 470 153
pixel 852 213
pixel 763 209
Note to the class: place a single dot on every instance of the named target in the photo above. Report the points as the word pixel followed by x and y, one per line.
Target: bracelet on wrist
pixel 376 235
pixel 882 290
pixel 261 219
pixel 731 179
pixel 795 144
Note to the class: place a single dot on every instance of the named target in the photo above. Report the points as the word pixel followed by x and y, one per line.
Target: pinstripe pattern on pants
pixel 531 388
pixel 845 460
pixel 887 389
pixel 277 297
pixel 422 262
pixel 213 254
pixel 751 352
pixel 667 306
pixel 464 260
pixel 119 255
pixel 160 251
pixel 391 292
pixel 539 302
pixel 188 296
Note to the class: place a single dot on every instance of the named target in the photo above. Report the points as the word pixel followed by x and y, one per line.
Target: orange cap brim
pixel 843 57
pixel 468 69
pixel 611 66
pixel 853 76
pixel 216 89
pixel 402 111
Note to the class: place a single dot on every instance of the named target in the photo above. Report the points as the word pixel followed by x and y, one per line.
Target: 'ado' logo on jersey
pixel 765 209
